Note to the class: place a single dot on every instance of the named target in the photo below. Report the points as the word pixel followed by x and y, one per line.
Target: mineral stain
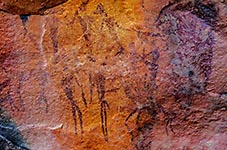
pixel 207 12
pixel 24 19
pixel 10 136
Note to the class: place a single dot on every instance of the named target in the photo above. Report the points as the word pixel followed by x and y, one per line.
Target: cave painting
pixel 113 75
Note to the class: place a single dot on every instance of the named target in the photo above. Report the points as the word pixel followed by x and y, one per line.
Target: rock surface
pixel 112 75
pixel 31 7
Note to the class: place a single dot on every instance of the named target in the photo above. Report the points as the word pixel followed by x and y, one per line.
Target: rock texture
pixel 28 7
pixel 146 74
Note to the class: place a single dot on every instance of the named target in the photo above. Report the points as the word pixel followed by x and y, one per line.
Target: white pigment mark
pixel 39 127
pixel 43 31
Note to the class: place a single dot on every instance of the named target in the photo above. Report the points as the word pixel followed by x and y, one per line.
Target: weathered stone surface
pixel 25 7
pixel 117 75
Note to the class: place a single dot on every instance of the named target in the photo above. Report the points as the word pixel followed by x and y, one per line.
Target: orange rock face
pixel 116 74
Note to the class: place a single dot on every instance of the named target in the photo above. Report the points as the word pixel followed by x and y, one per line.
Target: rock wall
pixel 87 74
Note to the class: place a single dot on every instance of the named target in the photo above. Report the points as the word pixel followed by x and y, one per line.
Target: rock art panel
pixel 85 74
